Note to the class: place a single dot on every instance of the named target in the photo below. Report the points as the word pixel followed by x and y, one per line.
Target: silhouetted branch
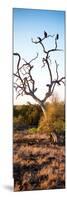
pixel 40 41
pixel 25 84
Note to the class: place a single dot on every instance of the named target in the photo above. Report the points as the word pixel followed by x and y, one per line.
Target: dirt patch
pixel 38 164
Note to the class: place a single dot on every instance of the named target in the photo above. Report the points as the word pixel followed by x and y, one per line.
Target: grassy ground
pixel 38 163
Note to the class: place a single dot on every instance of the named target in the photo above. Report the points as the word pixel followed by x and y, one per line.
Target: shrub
pixel 32 130
pixel 26 115
pixel 55 118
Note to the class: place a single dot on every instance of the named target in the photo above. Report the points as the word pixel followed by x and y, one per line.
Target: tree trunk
pixel 43 109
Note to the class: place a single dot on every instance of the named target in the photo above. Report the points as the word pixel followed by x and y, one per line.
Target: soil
pixel 38 164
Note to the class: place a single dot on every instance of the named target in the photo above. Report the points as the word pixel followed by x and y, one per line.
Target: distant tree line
pixel 26 116
pixel 29 116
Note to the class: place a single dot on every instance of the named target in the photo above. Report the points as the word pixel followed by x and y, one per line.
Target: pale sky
pixel 27 24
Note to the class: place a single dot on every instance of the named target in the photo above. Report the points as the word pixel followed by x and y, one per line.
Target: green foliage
pixel 55 118
pixel 31 117
pixel 26 115
pixel 32 130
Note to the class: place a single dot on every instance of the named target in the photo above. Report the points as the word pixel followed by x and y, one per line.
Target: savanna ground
pixel 38 162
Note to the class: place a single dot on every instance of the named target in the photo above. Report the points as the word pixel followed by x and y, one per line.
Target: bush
pixel 55 118
pixel 26 115
pixel 32 130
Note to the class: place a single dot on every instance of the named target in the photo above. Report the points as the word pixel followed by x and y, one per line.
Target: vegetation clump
pixel 26 116
pixel 55 118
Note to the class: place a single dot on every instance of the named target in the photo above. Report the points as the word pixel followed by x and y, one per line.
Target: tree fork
pixel 24 81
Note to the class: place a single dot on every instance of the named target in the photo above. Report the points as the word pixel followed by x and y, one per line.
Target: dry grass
pixel 38 164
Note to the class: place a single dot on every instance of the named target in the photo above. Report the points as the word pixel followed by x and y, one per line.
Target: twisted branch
pixel 46 60
pixel 25 84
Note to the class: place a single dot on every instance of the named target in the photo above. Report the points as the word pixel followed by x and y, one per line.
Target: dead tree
pixel 25 83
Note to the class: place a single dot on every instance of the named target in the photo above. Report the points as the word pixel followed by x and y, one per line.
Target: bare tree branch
pixel 25 84
pixel 28 83
pixel 41 43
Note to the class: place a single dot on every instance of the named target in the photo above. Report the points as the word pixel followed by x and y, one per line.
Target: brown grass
pixel 38 164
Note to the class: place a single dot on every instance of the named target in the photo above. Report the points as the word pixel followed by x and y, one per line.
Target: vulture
pixel 45 34
pixel 57 36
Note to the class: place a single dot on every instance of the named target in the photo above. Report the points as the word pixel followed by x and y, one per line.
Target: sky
pixel 27 24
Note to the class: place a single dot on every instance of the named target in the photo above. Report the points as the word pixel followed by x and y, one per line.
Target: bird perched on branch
pixel 57 36
pixel 45 34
